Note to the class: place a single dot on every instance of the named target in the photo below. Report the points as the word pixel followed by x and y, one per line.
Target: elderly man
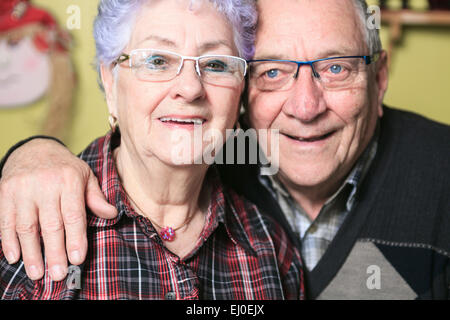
pixel 362 189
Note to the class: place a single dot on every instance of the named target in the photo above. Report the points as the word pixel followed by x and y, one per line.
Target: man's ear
pixel 108 82
pixel 382 78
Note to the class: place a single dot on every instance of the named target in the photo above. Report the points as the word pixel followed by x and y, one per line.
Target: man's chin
pixel 311 177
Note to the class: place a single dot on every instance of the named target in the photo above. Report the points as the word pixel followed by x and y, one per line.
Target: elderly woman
pixel 170 68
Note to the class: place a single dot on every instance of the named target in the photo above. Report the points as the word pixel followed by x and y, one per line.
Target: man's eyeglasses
pixel 333 73
pixel 161 65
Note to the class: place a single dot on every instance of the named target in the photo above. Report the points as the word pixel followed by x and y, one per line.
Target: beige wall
pixel 419 80
pixel 420 72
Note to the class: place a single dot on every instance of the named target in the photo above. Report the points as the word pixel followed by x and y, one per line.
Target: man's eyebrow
pixel 325 54
pixel 334 53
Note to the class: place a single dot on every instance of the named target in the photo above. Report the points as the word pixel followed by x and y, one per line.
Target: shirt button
pixel 170 296
pixel 313 229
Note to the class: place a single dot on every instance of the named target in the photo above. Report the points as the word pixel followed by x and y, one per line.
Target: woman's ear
pixel 108 81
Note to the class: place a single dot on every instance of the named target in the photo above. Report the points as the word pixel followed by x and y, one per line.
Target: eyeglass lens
pixel 280 75
pixel 155 65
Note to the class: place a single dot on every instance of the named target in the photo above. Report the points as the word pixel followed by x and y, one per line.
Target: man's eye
pixel 272 73
pixel 336 69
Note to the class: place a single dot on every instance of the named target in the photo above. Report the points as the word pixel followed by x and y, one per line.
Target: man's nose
pixel 188 84
pixel 305 101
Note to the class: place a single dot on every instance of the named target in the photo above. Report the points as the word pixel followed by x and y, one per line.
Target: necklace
pixel 166 233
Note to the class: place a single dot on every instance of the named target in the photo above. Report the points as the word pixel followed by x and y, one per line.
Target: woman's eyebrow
pixel 270 57
pixel 211 45
pixel 161 40
pixel 206 46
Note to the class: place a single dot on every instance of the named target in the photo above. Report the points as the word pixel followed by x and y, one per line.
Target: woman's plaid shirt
pixel 240 254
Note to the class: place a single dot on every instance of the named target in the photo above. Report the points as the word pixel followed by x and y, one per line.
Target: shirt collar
pixel 222 208
pixel 361 168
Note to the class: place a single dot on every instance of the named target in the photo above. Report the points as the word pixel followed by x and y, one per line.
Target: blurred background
pixel 417 38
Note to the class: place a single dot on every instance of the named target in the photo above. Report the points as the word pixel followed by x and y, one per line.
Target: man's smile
pixel 310 138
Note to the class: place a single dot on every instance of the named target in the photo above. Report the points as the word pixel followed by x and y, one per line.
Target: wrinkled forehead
pixel 176 25
pixel 309 29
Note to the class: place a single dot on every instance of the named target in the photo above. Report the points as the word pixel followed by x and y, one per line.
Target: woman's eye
pixel 272 73
pixel 336 69
pixel 217 66
pixel 155 61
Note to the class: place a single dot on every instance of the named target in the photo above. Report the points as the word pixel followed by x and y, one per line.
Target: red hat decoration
pixel 18 13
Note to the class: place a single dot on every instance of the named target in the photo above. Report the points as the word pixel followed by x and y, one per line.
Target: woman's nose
pixel 188 84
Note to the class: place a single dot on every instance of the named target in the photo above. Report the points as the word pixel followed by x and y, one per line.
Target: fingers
pixel 96 201
pixel 27 229
pixel 10 243
pixel 52 230
pixel 74 219
pixel 73 205
pixel 19 227
pixel 43 183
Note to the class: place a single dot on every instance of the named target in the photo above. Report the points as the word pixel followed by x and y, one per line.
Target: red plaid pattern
pixel 241 254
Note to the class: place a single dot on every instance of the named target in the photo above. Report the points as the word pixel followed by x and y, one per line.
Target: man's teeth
pixel 192 120
pixel 312 139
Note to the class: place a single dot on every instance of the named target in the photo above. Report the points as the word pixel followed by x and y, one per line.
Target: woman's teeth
pixel 197 121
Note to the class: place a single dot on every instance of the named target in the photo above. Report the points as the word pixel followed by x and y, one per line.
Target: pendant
pixel 167 234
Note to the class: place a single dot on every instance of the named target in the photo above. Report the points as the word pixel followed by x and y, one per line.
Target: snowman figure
pixel 35 62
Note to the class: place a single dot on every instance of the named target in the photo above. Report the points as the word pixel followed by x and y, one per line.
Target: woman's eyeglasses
pixel 160 65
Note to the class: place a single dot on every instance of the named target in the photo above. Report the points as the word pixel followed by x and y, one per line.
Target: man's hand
pixel 44 188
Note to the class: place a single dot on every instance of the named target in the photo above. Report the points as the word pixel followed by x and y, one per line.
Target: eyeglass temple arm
pixel 122 58
pixel 372 58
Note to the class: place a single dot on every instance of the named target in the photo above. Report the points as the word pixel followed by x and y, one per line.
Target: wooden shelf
pixel 415 18
pixel 397 19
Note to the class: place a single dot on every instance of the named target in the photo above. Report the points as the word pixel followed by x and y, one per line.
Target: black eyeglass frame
pixel 367 59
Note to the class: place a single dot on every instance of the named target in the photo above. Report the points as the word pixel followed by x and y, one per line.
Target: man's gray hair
pixel 372 34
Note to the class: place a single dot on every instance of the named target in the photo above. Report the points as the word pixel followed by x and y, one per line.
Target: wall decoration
pixel 415 4
pixel 35 63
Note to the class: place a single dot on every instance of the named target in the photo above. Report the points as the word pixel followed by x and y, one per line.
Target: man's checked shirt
pixel 239 255
pixel 315 236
